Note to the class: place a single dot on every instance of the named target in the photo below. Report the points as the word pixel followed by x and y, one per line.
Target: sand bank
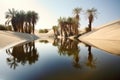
pixel 107 37
pixel 9 39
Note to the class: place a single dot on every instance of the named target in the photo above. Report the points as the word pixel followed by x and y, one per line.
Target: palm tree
pixel 76 12
pixel 55 29
pixel 70 22
pixel 10 15
pixel 91 13
pixel 22 20
pixel 17 21
pixel 61 23
pixel 34 19
pixel 28 20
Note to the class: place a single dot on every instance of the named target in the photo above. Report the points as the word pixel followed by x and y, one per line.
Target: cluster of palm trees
pixel 22 21
pixel 69 26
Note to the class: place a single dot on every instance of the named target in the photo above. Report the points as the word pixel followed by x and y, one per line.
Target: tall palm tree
pixel 77 11
pixel 22 20
pixel 91 13
pixel 61 25
pixel 29 20
pixel 19 20
pixel 34 19
pixel 10 15
pixel 70 22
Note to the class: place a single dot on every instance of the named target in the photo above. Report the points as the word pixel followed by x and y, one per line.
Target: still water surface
pixel 61 60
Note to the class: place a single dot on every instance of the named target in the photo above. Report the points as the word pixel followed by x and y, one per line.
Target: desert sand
pixel 9 39
pixel 107 37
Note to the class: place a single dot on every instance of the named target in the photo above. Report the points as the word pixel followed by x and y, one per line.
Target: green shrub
pixel 87 29
pixel 43 31
pixel 2 27
pixel 9 28
pixel 43 41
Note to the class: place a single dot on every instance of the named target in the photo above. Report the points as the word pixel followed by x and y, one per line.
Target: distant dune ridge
pixel 106 37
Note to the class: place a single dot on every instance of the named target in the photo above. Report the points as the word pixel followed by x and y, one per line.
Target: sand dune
pixel 109 31
pixel 107 37
pixel 9 39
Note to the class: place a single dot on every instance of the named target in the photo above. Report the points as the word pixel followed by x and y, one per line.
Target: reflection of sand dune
pixel 107 37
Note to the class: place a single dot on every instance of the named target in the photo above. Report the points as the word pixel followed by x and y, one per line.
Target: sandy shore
pixel 107 37
pixel 9 39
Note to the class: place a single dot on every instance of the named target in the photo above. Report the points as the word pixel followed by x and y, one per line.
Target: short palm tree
pixel 91 13
pixel 55 29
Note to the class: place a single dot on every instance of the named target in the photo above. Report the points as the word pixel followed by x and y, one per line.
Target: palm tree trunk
pixel 90 26
pixel 90 22
pixel 33 28
pixel 14 25
pixel 22 27
pixel 70 31
pixel 61 30
pixel 29 28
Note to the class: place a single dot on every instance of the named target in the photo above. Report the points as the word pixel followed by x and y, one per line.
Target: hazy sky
pixel 50 10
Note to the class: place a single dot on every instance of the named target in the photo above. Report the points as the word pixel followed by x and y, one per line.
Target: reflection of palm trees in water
pixel 55 43
pixel 91 62
pixel 76 63
pixel 22 54
pixel 70 48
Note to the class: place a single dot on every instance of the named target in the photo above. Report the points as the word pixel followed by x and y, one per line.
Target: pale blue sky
pixel 50 10
pixel 108 10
